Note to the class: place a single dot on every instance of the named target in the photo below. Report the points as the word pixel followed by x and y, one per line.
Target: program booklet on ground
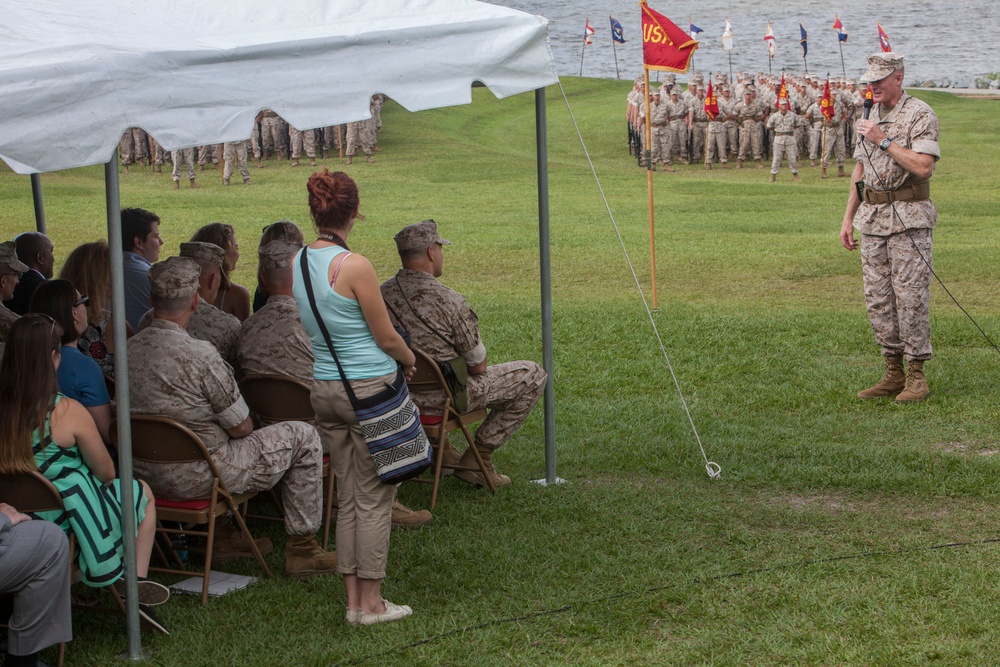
pixel 220 583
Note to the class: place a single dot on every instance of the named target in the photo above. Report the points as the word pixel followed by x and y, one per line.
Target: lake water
pixel 951 43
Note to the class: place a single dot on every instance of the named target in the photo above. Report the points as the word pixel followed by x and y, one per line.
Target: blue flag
pixel 805 46
pixel 617 32
pixel 694 31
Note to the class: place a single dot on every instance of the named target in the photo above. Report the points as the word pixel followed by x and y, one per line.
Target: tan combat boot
pixel 841 172
pixel 739 164
pixel 451 459
pixel 474 476
pixel 773 178
pixel 295 162
pixel 812 163
pixel 312 162
pixel 892 381
pixel 916 384
pixel 231 544
pixel 758 163
pixel 404 517
pixel 795 177
pixel 304 558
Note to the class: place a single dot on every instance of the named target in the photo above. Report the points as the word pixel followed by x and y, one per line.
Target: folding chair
pixel 162 440
pixel 281 398
pixel 427 376
pixel 31 492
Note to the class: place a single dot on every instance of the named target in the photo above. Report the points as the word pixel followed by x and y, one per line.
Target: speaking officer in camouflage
pixel 441 324
pixel 186 379
pixel 896 150
pixel 272 341
pixel 209 323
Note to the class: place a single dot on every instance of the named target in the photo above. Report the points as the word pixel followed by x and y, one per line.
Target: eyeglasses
pixel 82 301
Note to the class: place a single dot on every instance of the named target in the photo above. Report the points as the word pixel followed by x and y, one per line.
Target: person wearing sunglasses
pixel 79 376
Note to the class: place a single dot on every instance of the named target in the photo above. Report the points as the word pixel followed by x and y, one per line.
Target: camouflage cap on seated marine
pixel 207 252
pixel 174 278
pixel 881 65
pixel 8 258
pixel 278 254
pixel 420 235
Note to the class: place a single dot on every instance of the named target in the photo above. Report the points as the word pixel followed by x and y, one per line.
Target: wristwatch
pixel 885 144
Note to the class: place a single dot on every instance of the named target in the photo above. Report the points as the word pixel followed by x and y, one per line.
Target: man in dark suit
pixel 35 250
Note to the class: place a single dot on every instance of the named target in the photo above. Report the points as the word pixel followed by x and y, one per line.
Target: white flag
pixel 727 37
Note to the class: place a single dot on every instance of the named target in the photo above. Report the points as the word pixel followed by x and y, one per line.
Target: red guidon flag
pixel 665 46
pixel 711 103
pixel 826 104
pixel 782 94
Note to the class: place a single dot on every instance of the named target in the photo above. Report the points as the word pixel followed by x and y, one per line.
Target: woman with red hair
pixel 370 351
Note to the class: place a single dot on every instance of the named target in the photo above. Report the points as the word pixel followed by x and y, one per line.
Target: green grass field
pixel 840 532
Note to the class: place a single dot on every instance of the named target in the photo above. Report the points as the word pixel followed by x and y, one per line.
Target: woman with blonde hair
pixel 232 298
pixel 88 267
pixel 40 429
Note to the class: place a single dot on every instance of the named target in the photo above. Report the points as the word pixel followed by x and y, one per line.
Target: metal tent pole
pixel 36 198
pixel 113 201
pixel 545 265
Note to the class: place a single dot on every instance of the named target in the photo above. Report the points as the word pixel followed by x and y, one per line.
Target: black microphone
pixel 868 107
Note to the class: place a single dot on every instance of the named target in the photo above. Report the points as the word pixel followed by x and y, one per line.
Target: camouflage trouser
pixel 360 135
pixel 732 137
pixel 333 136
pixel 272 135
pixel 208 154
pixel 897 291
pixel 678 145
pixel 659 136
pixel 287 455
pixel 816 141
pixel 185 155
pixel 698 141
pixel 300 139
pixel 716 142
pixel 784 147
pixel 132 146
pixel 835 144
pixel 157 151
pixel 255 142
pixel 235 152
pixel 509 391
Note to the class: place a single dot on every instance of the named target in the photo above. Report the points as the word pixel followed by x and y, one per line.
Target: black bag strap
pixel 307 281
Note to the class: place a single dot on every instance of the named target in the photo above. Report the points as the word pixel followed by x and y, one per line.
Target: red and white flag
pixel 588 32
pixel 769 38
pixel 883 39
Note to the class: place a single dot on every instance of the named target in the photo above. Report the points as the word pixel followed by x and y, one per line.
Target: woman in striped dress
pixel 42 430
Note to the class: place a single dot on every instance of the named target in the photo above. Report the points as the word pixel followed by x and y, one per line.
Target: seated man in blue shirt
pixel 141 242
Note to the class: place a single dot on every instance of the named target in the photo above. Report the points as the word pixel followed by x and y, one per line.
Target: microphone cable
pixel 882 183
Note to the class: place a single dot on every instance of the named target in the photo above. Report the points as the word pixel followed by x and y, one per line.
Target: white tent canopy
pixel 74 75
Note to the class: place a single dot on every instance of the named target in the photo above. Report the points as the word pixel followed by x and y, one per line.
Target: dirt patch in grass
pixel 971 448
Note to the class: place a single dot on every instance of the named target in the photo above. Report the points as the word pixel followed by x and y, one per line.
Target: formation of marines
pixel 272 137
pixel 682 131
